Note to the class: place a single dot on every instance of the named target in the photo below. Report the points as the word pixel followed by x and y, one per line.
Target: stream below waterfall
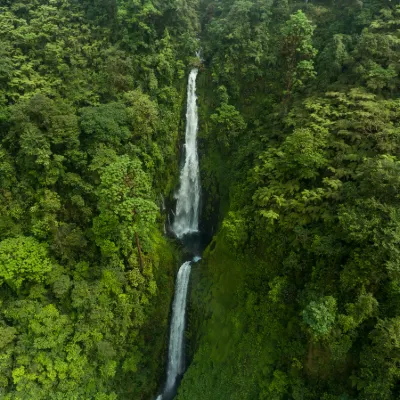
pixel 186 228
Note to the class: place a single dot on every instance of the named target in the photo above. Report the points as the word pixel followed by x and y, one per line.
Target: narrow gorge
pixel 186 228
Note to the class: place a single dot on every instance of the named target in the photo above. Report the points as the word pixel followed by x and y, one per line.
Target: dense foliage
pixel 299 295
pixel 91 95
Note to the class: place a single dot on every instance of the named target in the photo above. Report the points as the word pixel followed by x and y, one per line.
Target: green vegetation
pixel 298 294
pixel 91 95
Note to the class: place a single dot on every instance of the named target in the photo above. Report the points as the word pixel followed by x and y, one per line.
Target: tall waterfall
pixel 188 197
pixel 186 221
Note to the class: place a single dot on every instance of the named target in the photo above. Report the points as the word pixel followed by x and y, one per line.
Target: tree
pixel 297 53
pixel 127 211
pixel 380 360
pixel 23 259
pixel 228 125
pixel 320 315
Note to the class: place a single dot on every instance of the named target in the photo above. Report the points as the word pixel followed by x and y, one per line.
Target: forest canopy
pixel 298 293
pixel 91 95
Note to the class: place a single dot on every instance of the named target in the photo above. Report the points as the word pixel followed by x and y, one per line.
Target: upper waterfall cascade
pixel 188 197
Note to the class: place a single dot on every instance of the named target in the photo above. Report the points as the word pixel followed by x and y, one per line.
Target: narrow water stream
pixel 185 225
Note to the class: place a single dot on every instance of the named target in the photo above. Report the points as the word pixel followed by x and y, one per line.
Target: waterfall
pixel 188 197
pixel 176 353
pixel 176 357
pixel 186 221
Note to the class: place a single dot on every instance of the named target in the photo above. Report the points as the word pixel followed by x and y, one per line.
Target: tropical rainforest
pixel 298 293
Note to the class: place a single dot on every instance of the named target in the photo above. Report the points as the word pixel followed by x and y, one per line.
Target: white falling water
pixel 186 221
pixel 176 358
pixel 188 197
